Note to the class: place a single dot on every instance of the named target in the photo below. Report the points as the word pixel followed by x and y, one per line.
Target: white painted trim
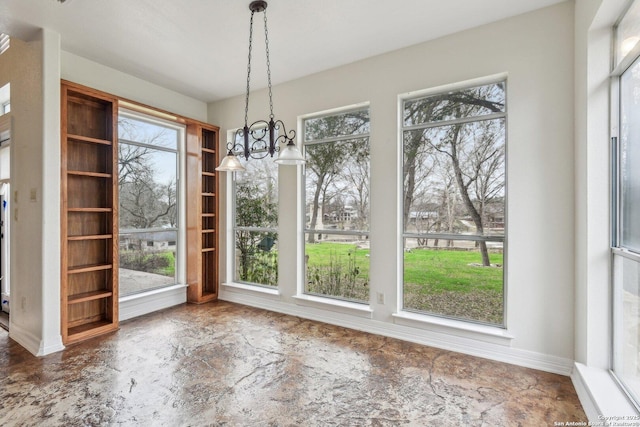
pixel 240 287
pixel 461 344
pixel 139 304
pixel 600 395
pixel 338 306
pixel 30 342
pixel 454 327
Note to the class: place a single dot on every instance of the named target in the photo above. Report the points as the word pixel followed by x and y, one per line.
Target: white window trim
pixel 151 300
pixel 425 319
pixel 361 309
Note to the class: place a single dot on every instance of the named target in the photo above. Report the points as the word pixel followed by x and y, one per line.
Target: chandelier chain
pixel 246 104
pixel 266 44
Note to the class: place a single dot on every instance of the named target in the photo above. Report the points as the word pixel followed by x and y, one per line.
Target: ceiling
pixel 199 47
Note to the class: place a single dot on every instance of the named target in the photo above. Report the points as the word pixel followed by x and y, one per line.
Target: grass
pixel 442 282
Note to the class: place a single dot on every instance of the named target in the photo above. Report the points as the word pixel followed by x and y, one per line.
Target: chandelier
pixel 259 139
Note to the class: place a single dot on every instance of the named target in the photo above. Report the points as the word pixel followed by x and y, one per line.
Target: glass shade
pixel 290 156
pixel 230 163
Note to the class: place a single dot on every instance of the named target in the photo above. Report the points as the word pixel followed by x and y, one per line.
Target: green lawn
pixel 444 282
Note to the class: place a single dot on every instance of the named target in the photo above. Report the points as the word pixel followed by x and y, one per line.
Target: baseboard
pixel 472 347
pixel 33 344
pixel 148 302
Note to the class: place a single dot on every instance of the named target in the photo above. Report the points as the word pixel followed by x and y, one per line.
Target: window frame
pixel 620 64
pixel 231 246
pixel 180 228
pixel 402 235
pixel 356 305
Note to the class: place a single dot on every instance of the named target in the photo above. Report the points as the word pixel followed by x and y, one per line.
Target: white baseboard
pixel 148 302
pixel 465 345
pixel 33 344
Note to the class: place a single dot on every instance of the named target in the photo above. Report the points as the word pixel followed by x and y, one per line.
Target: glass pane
pixel 148 192
pixel 256 192
pixel 472 102
pixel 627 323
pixel 147 261
pixel 337 185
pixel 628 32
pixel 337 266
pixel 630 158
pixel 257 257
pixel 345 124
pixel 454 179
pixel 448 278
pixel 147 132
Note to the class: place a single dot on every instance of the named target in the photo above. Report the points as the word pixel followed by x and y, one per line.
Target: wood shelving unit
pixel 202 221
pixel 89 262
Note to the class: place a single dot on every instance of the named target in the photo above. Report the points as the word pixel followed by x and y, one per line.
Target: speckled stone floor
pixel 224 364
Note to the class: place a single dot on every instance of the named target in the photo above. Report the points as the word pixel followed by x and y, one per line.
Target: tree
pixel 474 150
pixel 326 161
pixel 253 209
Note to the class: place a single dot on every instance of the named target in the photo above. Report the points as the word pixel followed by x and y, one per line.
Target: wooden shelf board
pixel 89 139
pixel 208 249
pixel 89 268
pixel 208 215
pixel 90 174
pixel 208 231
pixel 91 237
pixel 88 296
pixel 209 194
pixel 208 150
pixel 208 173
pixel 89 209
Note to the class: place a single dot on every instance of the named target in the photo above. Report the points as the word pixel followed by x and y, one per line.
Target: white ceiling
pixel 199 47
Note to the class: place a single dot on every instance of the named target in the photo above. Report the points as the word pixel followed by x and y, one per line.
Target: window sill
pixel 237 287
pixel 344 307
pixel 454 327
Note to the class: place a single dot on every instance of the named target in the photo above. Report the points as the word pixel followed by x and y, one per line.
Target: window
pixel 626 207
pixel 454 191
pixel 5 43
pixel 5 99
pixel 337 205
pixel 148 201
pixel 256 220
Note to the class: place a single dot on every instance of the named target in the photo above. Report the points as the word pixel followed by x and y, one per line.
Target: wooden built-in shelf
pixel 89 139
pixel 89 214
pixel 89 296
pixel 202 187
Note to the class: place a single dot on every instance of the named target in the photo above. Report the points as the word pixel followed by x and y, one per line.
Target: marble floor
pixel 224 364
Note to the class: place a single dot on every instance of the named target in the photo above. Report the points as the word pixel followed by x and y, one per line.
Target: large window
pixel 256 220
pixel 626 215
pixel 337 205
pixel 148 201
pixel 454 192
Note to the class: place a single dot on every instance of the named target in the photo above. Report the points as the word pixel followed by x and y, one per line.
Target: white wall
pixel 32 68
pixel 536 52
pixel 83 71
